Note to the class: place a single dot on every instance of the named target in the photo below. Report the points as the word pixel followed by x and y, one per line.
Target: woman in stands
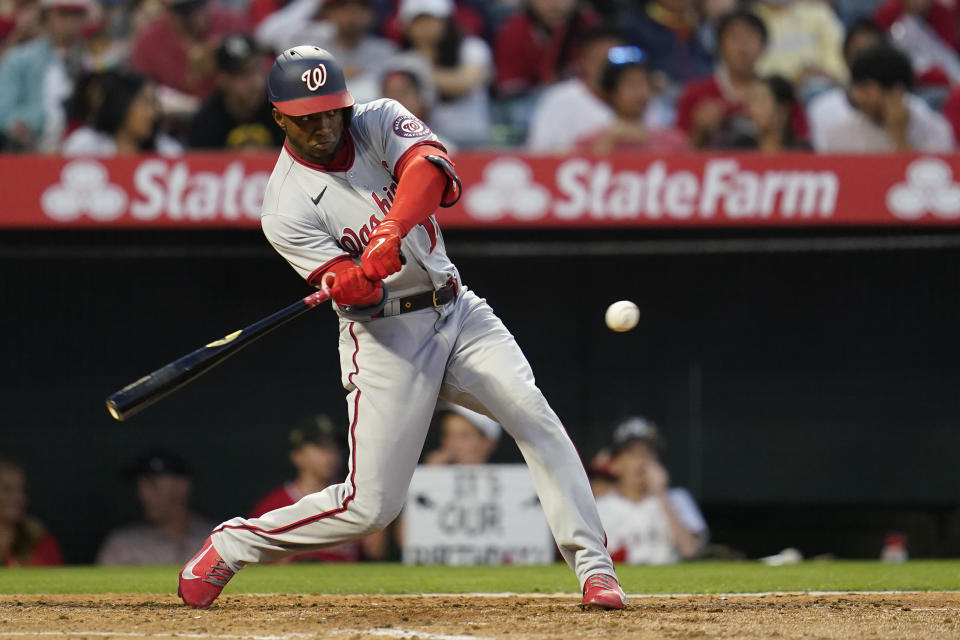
pixel 125 120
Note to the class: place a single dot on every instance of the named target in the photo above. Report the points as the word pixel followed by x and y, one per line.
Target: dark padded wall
pixel 801 378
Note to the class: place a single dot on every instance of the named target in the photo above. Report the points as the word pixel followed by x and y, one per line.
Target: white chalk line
pixel 577 596
pixel 387 633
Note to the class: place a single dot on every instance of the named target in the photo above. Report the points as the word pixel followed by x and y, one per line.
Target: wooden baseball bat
pixel 140 394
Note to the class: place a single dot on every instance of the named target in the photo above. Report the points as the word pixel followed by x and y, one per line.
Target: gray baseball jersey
pixel 316 216
pixel 395 367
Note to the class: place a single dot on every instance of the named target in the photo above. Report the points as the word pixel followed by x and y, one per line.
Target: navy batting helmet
pixel 307 79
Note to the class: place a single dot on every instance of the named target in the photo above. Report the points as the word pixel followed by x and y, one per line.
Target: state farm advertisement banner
pixel 696 190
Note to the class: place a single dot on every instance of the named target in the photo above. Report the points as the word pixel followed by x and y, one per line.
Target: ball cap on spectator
pixel 157 462
pixel 307 79
pixel 68 5
pixel 635 429
pixel 489 428
pixel 318 430
pixel 235 51
pixel 410 9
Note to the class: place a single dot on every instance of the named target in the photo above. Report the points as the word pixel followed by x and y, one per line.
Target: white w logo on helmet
pixel 315 78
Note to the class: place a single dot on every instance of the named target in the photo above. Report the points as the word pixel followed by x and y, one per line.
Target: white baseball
pixel 622 316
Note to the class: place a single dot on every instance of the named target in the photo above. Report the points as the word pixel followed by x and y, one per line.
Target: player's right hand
pixel 350 288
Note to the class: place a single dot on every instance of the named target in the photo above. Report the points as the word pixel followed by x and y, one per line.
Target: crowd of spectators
pixel 108 77
pixel 646 520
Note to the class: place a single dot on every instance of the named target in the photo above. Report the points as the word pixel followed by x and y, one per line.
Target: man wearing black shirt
pixel 237 115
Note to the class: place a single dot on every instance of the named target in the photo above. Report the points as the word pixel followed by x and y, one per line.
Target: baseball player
pixel 350 205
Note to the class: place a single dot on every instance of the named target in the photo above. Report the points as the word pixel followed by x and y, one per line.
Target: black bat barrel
pixel 142 393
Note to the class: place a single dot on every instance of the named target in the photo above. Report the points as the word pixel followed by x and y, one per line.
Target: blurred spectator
pixel 927 31
pixel 602 480
pixel 646 521
pixel 669 31
pixel 259 10
pixel 344 31
pixel 570 110
pixel 126 120
pixel 23 539
pixel 628 88
pixel 772 109
pixel 833 104
pixel 19 21
pixel 884 118
pixel 706 105
pixel 177 49
pixel 238 114
pixel 939 16
pixel 710 13
pixel 406 79
pixel 804 43
pixel 951 110
pixel 273 32
pixel 468 15
pixel 169 533
pixel 316 452
pixel 461 69
pixel 37 78
pixel 466 437
pixel 540 45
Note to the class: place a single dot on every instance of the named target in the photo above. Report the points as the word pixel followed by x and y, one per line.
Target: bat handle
pixel 317 297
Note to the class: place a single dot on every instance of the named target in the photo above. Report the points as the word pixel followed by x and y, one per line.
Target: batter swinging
pixel 353 194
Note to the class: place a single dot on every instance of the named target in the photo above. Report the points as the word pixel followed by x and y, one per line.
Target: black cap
pixel 318 430
pixel 235 51
pixel 157 462
pixel 635 429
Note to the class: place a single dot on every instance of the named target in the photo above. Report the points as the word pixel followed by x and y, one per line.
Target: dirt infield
pixel 875 616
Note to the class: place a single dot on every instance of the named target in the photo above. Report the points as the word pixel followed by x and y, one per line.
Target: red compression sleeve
pixel 420 188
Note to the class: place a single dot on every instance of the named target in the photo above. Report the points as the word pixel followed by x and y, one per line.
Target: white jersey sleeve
pixel 308 252
pixel 388 126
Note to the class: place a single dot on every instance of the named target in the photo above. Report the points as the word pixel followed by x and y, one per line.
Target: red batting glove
pixel 350 288
pixel 382 255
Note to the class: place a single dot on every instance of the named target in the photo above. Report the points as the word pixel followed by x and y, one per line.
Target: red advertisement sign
pixel 508 190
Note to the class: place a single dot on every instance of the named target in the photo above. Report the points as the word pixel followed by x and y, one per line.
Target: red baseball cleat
pixel 204 577
pixel 602 591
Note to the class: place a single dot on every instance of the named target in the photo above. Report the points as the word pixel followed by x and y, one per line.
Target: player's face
pixel 316 137
pixel 13 497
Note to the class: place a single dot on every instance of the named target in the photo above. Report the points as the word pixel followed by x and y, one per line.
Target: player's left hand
pixel 382 255
pixel 349 287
